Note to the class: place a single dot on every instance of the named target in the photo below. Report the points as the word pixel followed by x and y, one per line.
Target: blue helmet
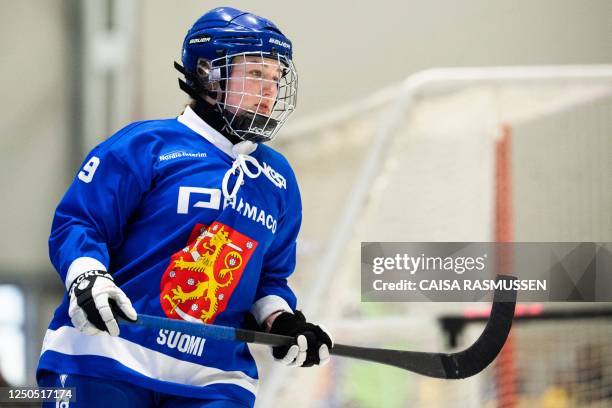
pixel 224 38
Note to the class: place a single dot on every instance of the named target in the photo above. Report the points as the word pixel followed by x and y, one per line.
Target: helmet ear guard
pixel 208 76
pixel 206 80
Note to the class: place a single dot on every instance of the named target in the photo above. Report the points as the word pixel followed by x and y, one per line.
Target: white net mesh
pixel 555 363
pixel 438 182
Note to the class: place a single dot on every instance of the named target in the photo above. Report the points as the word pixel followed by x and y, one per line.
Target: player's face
pixel 253 85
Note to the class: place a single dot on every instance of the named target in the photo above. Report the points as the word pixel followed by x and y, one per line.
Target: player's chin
pixel 252 111
pixel 263 111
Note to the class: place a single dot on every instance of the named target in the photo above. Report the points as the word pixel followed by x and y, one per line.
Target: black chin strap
pixel 210 113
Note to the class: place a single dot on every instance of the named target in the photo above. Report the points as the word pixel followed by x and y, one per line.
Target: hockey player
pixel 191 218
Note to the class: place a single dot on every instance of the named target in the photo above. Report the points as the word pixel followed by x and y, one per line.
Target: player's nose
pixel 267 90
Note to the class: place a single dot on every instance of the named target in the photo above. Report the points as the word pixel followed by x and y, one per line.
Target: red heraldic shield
pixel 201 278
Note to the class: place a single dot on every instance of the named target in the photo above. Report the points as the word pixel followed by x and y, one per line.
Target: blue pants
pixel 97 393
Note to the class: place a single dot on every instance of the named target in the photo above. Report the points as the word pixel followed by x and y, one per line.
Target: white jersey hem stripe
pixel 150 363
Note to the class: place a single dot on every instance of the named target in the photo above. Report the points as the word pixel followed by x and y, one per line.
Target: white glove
pixel 95 303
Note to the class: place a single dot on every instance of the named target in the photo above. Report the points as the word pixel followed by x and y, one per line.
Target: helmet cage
pixel 260 122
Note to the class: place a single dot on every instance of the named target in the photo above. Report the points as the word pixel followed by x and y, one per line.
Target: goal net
pixel 516 154
pixel 561 357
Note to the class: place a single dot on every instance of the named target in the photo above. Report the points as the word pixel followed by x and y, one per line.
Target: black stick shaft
pixel 439 365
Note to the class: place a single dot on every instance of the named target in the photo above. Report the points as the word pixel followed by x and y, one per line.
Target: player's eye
pixel 256 73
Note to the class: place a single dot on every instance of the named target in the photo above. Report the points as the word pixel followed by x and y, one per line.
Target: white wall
pixel 33 130
pixel 347 49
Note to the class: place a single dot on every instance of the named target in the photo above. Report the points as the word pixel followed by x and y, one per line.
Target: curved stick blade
pixel 458 365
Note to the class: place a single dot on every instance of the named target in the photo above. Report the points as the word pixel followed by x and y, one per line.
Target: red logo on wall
pixel 200 279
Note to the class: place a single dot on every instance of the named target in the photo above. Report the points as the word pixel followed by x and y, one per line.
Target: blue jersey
pixel 190 229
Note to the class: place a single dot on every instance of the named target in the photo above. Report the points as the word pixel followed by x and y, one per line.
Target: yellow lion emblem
pixel 205 265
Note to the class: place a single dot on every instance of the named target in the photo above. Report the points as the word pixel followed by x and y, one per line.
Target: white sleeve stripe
pixel 80 265
pixel 267 305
